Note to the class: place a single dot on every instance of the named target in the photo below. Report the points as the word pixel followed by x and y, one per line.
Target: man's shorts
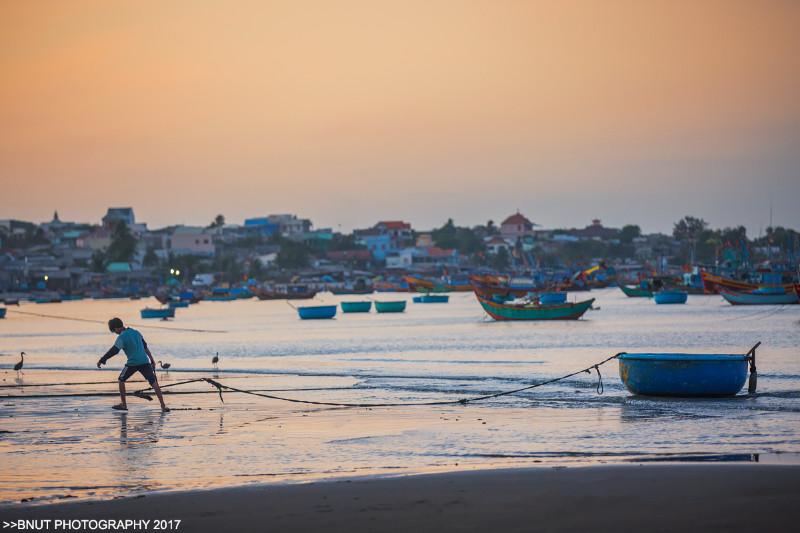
pixel 145 370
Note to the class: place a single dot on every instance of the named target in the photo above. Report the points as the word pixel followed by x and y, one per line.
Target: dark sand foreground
pixel 604 498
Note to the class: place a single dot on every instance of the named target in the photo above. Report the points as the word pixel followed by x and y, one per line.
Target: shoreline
pixel 697 497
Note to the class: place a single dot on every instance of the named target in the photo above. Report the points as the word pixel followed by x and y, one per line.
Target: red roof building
pixel 517 225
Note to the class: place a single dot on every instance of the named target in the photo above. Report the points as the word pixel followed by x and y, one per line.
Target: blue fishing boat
pixel 164 312
pixel 763 298
pixel 396 306
pixel 2 312
pixel 317 312
pixel 686 374
pixel 552 298
pixel 671 297
pixel 356 307
pixel 177 304
pixel 431 299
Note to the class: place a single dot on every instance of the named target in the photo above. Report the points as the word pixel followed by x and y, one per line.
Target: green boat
pixel 566 311
pixel 636 292
pixel 356 307
pixel 397 306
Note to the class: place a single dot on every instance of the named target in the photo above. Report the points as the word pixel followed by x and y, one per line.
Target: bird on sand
pixel 18 366
pixel 215 360
pixel 164 366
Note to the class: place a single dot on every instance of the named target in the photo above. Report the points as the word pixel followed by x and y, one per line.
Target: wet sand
pixel 597 498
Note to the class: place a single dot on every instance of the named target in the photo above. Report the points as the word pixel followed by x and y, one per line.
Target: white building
pixel 191 240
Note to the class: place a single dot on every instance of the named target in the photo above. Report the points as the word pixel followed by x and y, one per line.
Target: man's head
pixel 115 325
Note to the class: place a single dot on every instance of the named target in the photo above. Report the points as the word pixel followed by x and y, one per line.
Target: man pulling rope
pixel 133 344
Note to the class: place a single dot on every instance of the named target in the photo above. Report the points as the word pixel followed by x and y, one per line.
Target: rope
pixel 463 401
pixel 146 395
pixel 77 319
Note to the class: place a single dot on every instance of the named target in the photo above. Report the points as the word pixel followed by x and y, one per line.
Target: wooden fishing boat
pixel 636 292
pixel 2 312
pixel 431 299
pixel 317 312
pixel 165 312
pixel 177 304
pixel 12 301
pixel 713 284
pixel 356 307
pixel 764 298
pixel 565 311
pixel 346 291
pixel 286 292
pixel 670 297
pixel 551 298
pixel 416 284
pixel 687 374
pixel 489 286
pixel 396 306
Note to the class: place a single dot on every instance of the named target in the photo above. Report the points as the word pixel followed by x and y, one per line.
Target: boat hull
pixel 742 298
pixel 688 375
pixel 356 307
pixel 504 312
pixel 168 312
pixel 317 312
pixel 432 299
pixel 636 292
pixel 670 297
pixel 2 312
pixel 390 307
pixel 713 284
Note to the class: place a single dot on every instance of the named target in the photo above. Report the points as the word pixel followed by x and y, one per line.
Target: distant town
pixel 121 256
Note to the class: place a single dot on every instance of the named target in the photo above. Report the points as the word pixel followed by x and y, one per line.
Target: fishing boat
pixel 177 304
pixel 220 294
pixel 317 312
pixel 164 312
pixel 772 297
pixel 714 284
pixel 356 307
pixel 241 293
pixel 431 299
pixel 565 311
pixel 416 284
pixel 687 374
pixel 13 301
pixel 670 297
pixel 490 286
pixel 550 298
pixel 396 306
pixel 636 292
pixel 2 312
pixel 286 292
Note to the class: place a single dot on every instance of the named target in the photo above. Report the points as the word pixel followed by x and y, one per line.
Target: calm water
pixel 77 447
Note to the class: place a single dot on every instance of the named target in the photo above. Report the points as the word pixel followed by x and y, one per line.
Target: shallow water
pixel 77 447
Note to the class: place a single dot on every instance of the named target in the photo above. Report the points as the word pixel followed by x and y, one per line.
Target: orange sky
pixel 353 111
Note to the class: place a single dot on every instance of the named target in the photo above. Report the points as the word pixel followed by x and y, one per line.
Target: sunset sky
pixel 348 112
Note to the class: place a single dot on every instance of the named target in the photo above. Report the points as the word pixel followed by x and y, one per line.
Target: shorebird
pixel 18 366
pixel 215 361
pixel 164 366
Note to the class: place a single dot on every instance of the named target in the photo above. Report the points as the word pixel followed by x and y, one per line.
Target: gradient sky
pixel 348 112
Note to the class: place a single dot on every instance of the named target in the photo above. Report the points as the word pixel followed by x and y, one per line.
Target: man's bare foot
pixel 164 409
pixel 120 407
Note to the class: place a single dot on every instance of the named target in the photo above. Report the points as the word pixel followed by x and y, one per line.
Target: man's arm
pixel 147 351
pixel 109 354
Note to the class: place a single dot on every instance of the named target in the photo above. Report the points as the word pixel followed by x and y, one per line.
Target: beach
pixel 598 498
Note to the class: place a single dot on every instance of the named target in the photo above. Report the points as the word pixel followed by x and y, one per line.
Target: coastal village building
pixel 191 240
pixel 115 215
pixel 516 226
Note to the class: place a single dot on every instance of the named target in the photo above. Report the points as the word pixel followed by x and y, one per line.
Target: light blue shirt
pixel 131 342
